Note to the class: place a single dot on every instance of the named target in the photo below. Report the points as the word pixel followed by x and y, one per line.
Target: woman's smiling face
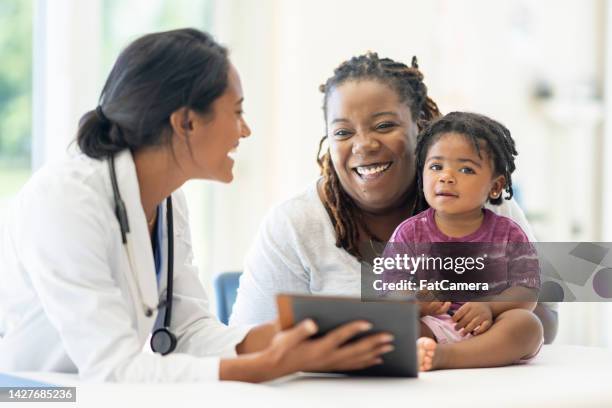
pixel 372 138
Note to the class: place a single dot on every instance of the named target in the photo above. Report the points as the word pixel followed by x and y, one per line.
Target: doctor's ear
pixel 181 121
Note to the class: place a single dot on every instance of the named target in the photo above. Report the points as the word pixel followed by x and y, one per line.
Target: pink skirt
pixel 443 328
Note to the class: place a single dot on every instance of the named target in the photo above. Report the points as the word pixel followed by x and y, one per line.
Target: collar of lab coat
pixel 139 240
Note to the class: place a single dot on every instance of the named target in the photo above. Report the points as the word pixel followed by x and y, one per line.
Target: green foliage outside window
pixel 15 93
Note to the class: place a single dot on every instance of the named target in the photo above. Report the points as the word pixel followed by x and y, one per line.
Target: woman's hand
pixel 473 317
pixel 292 350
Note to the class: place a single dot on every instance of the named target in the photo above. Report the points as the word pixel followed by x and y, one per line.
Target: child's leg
pixel 423 352
pixel 515 334
pixel 425 331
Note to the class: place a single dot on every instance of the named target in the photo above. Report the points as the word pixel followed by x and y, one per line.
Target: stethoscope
pixel 163 341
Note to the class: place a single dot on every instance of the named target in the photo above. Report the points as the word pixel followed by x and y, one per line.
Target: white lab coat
pixel 69 300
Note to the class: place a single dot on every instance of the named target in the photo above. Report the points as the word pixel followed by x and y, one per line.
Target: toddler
pixel 463 161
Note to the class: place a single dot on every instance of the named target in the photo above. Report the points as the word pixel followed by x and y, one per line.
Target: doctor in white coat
pixel 86 258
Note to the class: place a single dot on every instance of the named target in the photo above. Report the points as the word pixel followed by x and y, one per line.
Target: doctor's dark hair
pixel 153 77
pixel 407 82
pixel 483 133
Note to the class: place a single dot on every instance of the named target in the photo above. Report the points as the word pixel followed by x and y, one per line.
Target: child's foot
pixel 426 353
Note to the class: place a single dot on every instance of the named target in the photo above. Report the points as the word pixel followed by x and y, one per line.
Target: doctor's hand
pixel 292 350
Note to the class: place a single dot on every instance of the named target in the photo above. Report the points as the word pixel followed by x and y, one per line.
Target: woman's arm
pixel 272 266
pixel 550 321
pixel 258 338
pixel 548 316
pixel 515 297
pixel 292 350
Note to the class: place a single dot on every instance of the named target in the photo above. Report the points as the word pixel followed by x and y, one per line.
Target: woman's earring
pixel 494 194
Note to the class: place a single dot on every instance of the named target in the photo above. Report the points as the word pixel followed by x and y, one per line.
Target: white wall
pixel 606 201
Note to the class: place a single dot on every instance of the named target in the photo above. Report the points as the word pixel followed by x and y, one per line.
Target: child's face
pixel 455 179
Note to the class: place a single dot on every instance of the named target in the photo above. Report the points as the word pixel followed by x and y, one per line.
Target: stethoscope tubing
pixel 122 218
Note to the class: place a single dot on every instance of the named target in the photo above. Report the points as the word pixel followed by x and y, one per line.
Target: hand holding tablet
pixel 398 318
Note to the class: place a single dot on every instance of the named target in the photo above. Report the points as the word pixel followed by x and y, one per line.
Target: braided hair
pixel 408 82
pixel 499 145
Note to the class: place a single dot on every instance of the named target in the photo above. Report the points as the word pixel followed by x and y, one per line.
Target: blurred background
pixel 542 68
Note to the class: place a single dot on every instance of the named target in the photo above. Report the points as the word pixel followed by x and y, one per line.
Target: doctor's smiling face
pixel 209 140
pixel 372 138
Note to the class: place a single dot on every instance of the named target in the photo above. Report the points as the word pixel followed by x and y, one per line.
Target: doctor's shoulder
pixel 74 187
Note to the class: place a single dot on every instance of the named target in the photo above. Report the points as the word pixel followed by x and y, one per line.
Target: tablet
pixel 399 318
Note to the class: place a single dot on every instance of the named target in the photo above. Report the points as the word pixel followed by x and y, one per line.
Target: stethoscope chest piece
pixel 163 341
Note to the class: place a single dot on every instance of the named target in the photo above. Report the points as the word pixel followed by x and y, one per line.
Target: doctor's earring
pixel 494 194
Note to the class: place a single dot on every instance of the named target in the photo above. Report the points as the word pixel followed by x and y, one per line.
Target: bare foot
pixel 426 353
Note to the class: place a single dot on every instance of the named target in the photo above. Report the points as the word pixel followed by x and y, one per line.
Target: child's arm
pixel 518 297
pixel 473 317
pixel 476 317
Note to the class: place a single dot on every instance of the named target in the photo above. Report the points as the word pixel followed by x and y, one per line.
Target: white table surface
pixel 561 376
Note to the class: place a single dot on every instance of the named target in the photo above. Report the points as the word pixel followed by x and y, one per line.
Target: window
pixel 123 23
pixel 15 96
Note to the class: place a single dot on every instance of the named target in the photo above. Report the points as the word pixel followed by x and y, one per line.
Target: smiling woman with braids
pixel 373 109
pixel 370 74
